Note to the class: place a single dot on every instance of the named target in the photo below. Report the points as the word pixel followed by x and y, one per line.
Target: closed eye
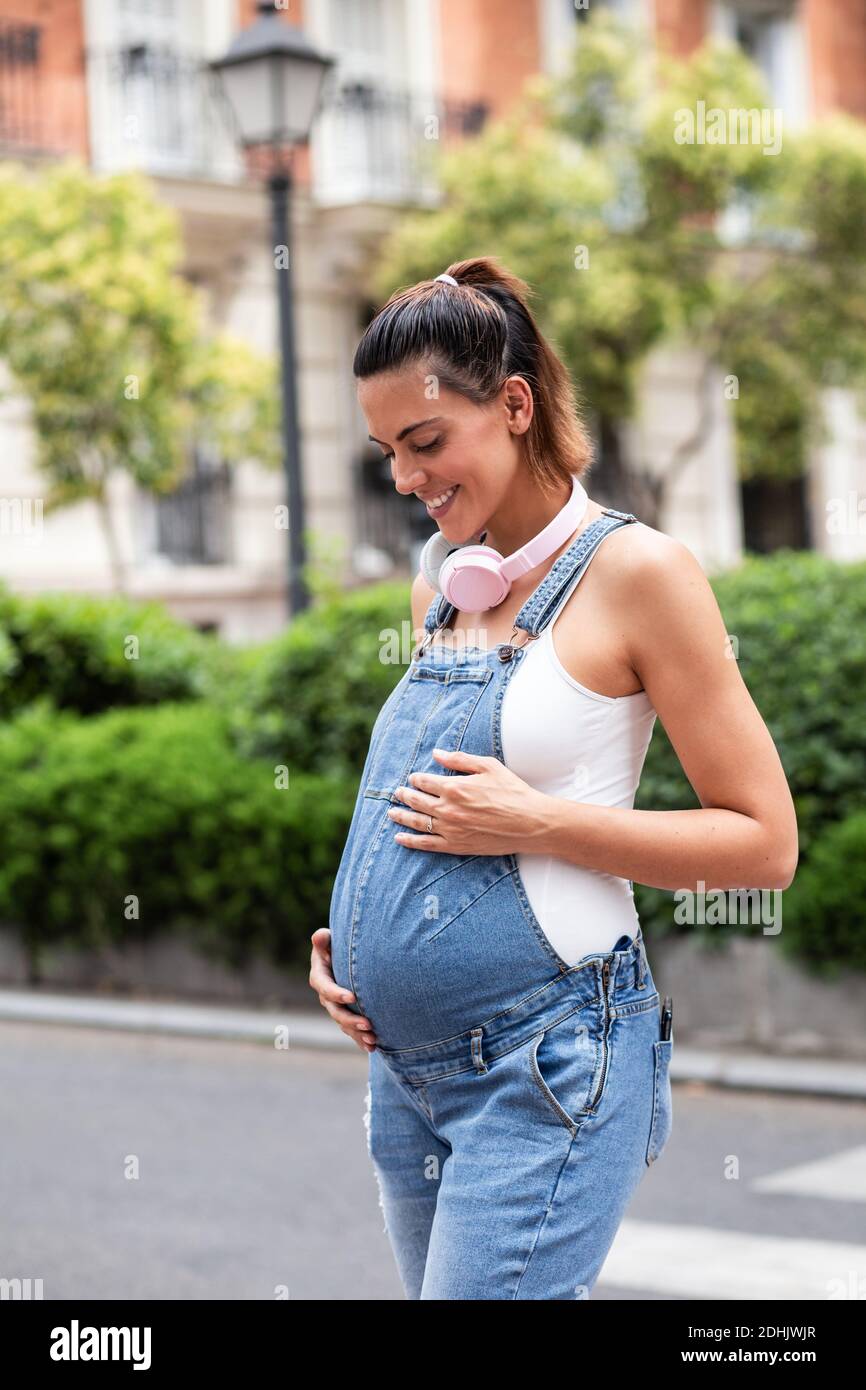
pixel 419 449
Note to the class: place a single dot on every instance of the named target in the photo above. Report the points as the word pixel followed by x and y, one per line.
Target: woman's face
pixel 461 459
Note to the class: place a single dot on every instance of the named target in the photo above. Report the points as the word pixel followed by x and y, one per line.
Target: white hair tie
pixel 449 278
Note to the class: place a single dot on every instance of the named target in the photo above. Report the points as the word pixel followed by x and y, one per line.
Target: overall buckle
pixel 507 650
pixel 422 646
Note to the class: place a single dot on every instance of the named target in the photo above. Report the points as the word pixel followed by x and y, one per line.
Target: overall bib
pixel 514 1100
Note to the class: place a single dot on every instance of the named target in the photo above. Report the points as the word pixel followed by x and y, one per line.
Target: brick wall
pixel 681 24
pixel 836 43
pixel 247 11
pixel 44 106
pixel 488 50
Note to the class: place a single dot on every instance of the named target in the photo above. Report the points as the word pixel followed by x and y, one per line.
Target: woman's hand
pixel 489 811
pixel 331 995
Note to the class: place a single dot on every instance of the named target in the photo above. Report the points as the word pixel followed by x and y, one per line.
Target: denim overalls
pixel 514 1100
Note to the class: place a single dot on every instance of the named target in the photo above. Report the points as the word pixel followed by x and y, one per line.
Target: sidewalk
pixel 732 1067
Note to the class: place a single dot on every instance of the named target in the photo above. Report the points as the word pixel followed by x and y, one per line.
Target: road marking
pixel 840 1177
pixel 702 1262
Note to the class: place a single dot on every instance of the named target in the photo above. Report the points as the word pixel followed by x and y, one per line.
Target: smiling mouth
pixel 437 506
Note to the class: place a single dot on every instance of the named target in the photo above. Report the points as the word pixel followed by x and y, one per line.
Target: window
pixel 775 514
pixel 193 521
pixel 769 33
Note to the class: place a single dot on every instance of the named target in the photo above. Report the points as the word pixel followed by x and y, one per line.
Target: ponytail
pixel 473 336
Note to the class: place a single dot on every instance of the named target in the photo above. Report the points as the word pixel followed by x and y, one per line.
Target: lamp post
pixel 272 79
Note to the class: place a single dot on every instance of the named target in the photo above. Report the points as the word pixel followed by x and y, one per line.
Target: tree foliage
pixel 108 341
pixel 757 260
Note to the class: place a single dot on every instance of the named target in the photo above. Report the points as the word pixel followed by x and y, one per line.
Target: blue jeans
pixel 506 1156
pixel 515 1099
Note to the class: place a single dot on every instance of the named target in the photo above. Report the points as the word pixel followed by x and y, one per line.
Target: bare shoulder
pixel 657 583
pixel 422 597
pixel 648 567
pixel 639 551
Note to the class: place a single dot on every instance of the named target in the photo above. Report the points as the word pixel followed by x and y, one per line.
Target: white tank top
pixel 568 741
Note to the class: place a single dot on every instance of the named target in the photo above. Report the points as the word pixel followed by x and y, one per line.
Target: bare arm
pixel 745 832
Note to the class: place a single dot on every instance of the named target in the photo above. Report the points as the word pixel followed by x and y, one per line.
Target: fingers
pixel 419 800
pixel 359 1029
pixel 333 997
pixel 414 820
pixel 321 975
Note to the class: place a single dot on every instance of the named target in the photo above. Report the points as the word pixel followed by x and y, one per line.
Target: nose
pixel 407 477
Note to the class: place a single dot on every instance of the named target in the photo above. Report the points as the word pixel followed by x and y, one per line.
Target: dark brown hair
pixel 473 336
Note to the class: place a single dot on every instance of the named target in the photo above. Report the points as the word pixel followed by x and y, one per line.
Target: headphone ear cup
pixel 433 556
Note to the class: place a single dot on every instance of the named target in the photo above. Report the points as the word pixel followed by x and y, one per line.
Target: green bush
pixel 312 695
pixel 77 651
pixel 799 620
pixel 823 915
pixel 178 806
pixel 156 803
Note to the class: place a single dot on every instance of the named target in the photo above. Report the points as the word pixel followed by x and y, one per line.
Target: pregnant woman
pixel 484 946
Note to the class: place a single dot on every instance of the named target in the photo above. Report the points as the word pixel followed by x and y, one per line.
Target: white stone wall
pixel 702 507
pixel 838 478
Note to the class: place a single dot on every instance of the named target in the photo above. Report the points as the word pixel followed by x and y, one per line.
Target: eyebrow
pixel 434 419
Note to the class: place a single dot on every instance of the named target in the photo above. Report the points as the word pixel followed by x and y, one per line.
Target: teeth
pixel 440 501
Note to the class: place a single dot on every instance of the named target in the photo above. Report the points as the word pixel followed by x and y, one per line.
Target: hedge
pixel 799 620
pixel 93 654
pixel 177 803
pixel 156 804
pixel 824 910
pixel 312 695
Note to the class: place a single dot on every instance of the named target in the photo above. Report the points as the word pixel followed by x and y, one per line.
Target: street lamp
pixel 272 78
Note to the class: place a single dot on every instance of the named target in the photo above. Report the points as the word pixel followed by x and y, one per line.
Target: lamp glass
pixel 274 98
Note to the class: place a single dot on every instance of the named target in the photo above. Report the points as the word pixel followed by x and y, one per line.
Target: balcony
pixel 160 110
pixel 21 129
pixel 43 107
pixel 372 143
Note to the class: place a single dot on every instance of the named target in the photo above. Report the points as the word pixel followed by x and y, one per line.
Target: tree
pixel 107 341
pixel 586 191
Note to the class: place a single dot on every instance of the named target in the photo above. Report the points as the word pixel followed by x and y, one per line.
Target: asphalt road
pixel 252 1173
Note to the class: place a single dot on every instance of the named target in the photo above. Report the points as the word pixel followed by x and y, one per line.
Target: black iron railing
pixel 384 518
pixel 193 521
pixel 375 142
pixel 162 110
pixel 21 123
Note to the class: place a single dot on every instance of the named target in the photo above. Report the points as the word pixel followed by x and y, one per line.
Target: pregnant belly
pixel 431 944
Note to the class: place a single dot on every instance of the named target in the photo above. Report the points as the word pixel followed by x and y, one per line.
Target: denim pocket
pixel 662 1117
pixel 569 1064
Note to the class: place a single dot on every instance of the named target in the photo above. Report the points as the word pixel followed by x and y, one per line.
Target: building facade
pixel 124 84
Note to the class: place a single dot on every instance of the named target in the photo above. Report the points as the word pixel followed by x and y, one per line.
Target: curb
pixel 740 1070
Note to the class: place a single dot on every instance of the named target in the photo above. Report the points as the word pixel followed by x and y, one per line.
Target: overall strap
pixel 556 586
pixel 564 576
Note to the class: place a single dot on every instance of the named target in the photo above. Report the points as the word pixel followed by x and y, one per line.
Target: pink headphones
pixel 476 577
